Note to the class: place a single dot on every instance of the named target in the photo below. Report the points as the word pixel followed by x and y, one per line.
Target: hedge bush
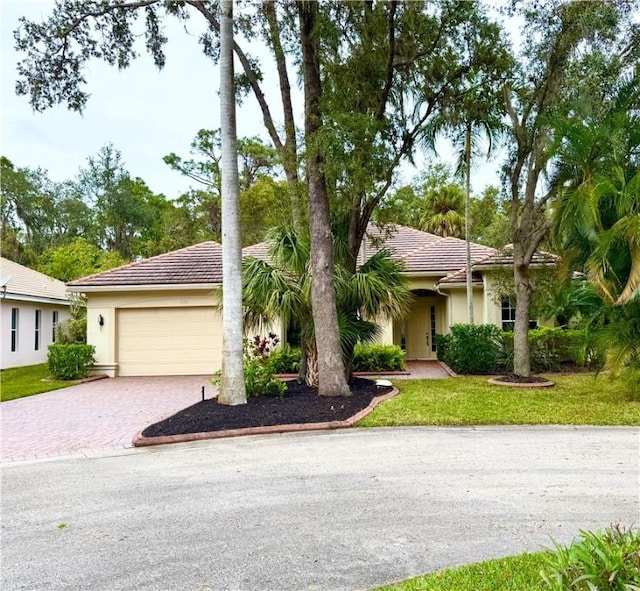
pixel 551 348
pixel 70 362
pixel 72 331
pixel 366 358
pixel 378 358
pixel 471 349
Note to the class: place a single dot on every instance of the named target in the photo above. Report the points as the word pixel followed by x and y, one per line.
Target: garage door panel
pixel 169 341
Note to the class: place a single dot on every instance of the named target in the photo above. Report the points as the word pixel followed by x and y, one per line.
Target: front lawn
pixel 606 560
pixel 514 573
pixel 19 382
pixel 576 399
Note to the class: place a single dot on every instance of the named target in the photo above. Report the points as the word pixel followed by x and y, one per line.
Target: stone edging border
pixel 496 382
pixel 446 368
pixel 100 376
pixel 140 441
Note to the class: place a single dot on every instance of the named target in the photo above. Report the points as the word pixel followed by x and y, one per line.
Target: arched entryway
pixel 417 334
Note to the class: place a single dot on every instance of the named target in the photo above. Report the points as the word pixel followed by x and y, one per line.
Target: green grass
pixel 515 573
pixel 577 399
pixel 608 559
pixel 19 382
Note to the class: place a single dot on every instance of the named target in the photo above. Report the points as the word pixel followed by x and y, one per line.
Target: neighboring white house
pixel 161 316
pixel 31 306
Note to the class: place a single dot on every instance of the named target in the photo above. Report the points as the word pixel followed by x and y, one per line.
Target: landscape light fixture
pixel 101 320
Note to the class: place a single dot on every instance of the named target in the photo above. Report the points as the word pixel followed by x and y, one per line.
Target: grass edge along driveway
pixel 575 399
pixel 19 382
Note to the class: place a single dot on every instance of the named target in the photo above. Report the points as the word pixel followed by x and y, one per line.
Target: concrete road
pixel 348 509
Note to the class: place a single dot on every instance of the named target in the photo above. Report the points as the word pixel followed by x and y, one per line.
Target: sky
pixel 143 112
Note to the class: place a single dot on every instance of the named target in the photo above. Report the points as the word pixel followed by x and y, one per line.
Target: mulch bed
pixel 300 404
pixel 516 379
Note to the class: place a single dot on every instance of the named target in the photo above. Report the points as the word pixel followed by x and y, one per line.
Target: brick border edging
pixel 446 368
pixel 140 441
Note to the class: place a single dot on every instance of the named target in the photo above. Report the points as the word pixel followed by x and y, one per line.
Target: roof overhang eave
pixel 18 297
pixel 479 267
pixel 443 273
pixel 459 284
pixel 142 287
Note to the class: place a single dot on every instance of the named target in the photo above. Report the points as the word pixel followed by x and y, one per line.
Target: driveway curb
pixel 140 441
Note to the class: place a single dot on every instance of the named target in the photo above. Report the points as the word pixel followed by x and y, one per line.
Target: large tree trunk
pixel 331 378
pixel 232 389
pixel 521 358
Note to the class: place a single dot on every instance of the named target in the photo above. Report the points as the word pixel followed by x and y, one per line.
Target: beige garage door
pixel 169 341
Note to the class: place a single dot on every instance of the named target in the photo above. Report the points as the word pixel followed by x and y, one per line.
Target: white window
pixel 509 316
pixel 38 322
pixel 54 326
pixel 14 329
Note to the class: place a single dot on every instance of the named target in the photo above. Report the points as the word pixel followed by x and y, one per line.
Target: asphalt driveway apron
pixel 94 417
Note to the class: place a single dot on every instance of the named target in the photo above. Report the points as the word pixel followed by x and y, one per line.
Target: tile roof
pixel 198 264
pixel 460 276
pixel 504 256
pixel 22 281
pixel 445 255
pixel 421 252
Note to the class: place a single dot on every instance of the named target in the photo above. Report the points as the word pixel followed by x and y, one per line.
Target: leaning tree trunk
pixel 232 388
pixel 331 378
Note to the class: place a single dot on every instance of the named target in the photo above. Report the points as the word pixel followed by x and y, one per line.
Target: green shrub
pixel 551 348
pixel 72 331
pixel 601 561
pixel 442 346
pixel 472 349
pixel 259 380
pixel 70 362
pixel 259 377
pixel 378 358
pixel 285 359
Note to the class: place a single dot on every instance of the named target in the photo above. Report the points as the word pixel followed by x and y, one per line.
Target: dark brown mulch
pixel 300 404
pixel 516 379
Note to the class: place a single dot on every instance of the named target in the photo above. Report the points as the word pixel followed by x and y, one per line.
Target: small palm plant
pixel 280 288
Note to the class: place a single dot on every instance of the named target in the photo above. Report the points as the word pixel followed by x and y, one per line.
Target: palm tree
pixel 232 388
pixel 443 212
pixel 597 219
pixel 281 289
pixel 597 213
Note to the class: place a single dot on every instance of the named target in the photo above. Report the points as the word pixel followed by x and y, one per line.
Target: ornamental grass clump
pixel 597 561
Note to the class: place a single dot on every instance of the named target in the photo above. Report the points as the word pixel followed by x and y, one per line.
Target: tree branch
pixel 390 63
pixel 251 75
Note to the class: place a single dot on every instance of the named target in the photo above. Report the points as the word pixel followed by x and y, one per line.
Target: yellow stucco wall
pixel 105 338
pixel 107 305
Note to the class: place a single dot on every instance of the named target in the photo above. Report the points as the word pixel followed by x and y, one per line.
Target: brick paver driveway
pixel 93 417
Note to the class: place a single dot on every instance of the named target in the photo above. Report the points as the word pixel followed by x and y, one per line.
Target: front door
pixel 422 325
